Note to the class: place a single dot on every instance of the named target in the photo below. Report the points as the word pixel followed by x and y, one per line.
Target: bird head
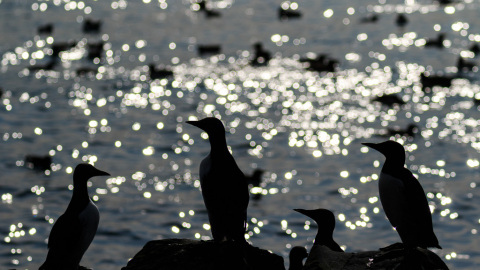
pixel 323 217
pixel 298 252
pixel 390 149
pixel 85 171
pixel 211 125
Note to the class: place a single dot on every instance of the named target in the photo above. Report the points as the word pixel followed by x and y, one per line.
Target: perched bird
pixel 224 187
pixel 296 256
pixel 73 231
pixel 261 57
pixel 326 224
pixel 403 198
pixel 438 42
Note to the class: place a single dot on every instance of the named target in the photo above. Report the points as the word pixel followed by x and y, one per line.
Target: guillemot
pixel 224 187
pixel 403 198
pixel 296 256
pixel 73 231
pixel 326 224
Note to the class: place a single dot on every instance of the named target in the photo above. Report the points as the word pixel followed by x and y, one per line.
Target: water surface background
pixel 303 128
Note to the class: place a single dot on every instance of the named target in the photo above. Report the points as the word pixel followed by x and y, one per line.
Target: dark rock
pixel 392 257
pixel 179 254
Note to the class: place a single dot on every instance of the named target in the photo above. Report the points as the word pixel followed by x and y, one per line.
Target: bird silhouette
pixel 224 187
pixel 73 231
pixel 326 224
pixel 296 256
pixel 403 198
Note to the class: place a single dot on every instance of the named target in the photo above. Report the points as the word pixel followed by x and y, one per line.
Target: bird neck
pixel 323 238
pixel 392 165
pixel 80 196
pixel 218 144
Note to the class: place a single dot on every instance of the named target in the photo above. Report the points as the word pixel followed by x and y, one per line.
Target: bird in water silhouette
pixel 403 198
pixel 326 224
pixel 224 187
pixel 73 231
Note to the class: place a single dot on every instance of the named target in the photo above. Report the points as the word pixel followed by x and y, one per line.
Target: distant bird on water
pixel 73 231
pixel 296 256
pixel 403 198
pixel 41 163
pixel 46 29
pixel 389 100
pixel 261 57
pixel 437 42
pixel 224 187
pixel 401 20
pixel 326 224
pixel 91 26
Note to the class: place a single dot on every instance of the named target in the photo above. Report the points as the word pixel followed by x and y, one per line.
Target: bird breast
pixel 89 219
pixel 393 198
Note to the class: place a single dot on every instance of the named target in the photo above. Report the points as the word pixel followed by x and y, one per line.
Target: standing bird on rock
pixel 224 187
pixel 403 198
pixel 73 232
pixel 326 224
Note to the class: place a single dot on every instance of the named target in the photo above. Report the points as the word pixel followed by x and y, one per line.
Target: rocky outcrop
pixel 180 254
pixel 392 257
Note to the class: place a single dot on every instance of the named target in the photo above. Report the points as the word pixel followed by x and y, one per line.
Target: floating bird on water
pixel 46 29
pixel 224 187
pixel 158 73
pixel 403 198
pixel 261 57
pixel 41 163
pixel 322 63
pixel 212 49
pixel 91 26
pixel 296 256
pixel 438 42
pixel 371 18
pixel 430 81
pixel 73 231
pixel 474 48
pixel 326 224
pixel 287 11
pixel 409 131
pixel 389 100
pixel 401 20
pixel 465 66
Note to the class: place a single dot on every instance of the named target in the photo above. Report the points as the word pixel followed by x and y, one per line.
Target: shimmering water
pixel 303 128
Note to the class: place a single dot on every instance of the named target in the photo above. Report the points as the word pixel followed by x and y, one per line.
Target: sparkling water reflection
pixel 64 99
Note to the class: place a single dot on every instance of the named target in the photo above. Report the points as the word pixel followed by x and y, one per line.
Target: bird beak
pixel 193 123
pixel 372 145
pixel 101 173
pixel 303 211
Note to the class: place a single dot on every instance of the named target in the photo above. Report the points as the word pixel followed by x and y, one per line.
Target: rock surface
pixel 179 254
pixel 392 257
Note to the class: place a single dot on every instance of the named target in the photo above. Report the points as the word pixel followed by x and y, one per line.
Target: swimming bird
pixel 46 29
pixel 41 163
pixel 389 100
pixel 224 187
pixel 465 66
pixel 73 231
pixel 91 26
pixel 261 57
pixel 296 256
pixel 158 73
pixel 322 63
pixel 212 49
pixel 403 198
pixel 326 224
pixel 438 42
pixel 409 131
pixel 401 20
pixel 370 18
pixel 286 12
pixel 429 81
